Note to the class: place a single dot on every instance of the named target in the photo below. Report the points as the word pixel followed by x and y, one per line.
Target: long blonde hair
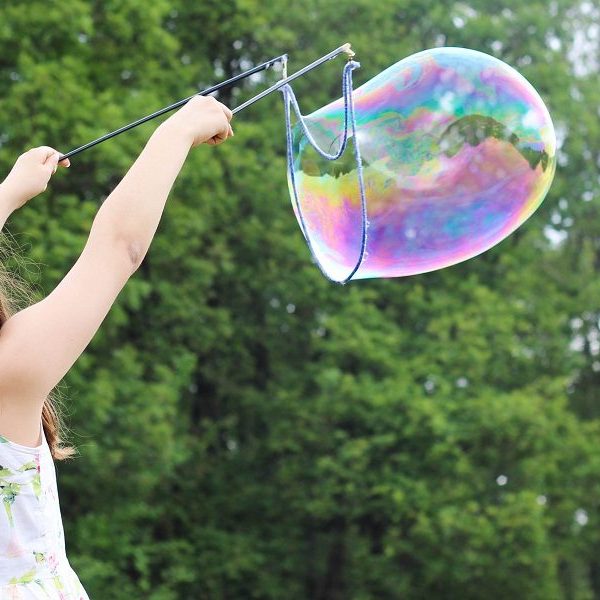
pixel 14 292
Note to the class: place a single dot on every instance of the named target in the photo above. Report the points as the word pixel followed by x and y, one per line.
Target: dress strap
pixel 44 441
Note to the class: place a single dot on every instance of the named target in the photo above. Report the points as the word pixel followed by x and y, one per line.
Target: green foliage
pixel 247 429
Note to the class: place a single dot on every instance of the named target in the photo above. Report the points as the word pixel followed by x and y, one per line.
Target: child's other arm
pixel 28 178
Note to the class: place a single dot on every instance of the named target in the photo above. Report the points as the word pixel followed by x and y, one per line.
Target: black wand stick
pixel 166 109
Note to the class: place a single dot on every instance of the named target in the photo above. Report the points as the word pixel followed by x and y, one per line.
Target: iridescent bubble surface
pixel 458 151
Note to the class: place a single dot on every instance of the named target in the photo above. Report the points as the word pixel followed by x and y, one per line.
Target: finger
pixel 230 134
pixel 64 163
pixel 218 139
pixel 227 112
pixel 44 153
pixel 52 161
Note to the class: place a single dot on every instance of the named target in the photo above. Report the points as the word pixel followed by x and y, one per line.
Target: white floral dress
pixel 33 562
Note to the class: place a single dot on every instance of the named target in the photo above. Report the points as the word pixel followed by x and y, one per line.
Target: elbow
pixel 105 236
pixel 136 253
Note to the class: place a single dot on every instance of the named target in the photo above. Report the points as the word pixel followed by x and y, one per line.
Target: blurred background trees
pixel 246 428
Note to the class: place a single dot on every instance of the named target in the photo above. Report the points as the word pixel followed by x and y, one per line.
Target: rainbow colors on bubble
pixel 458 150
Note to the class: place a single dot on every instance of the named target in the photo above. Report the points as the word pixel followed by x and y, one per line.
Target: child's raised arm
pixel 39 344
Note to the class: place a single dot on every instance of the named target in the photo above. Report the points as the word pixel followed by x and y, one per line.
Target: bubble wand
pixel 345 49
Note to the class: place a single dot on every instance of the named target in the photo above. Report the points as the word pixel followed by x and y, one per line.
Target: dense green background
pixel 249 430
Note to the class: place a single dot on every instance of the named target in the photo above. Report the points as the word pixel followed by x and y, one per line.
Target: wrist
pixel 10 196
pixel 170 131
pixel 6 204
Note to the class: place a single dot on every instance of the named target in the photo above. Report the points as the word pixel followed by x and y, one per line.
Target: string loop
pixel 349 125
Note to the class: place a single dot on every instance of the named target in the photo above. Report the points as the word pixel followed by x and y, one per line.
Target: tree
pixel 249 430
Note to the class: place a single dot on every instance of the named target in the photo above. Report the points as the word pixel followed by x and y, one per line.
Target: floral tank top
pixel 33 563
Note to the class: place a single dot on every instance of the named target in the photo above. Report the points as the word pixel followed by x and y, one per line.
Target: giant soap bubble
pixel 458 150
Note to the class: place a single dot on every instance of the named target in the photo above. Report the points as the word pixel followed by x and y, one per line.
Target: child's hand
pixel 31 173
pixel 202 120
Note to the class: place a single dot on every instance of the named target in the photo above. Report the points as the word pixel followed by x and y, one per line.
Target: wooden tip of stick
pixel 347 49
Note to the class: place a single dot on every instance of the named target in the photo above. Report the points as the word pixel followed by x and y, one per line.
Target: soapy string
pixel 349 125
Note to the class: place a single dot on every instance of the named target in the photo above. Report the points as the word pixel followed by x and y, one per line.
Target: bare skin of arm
pixel 39 344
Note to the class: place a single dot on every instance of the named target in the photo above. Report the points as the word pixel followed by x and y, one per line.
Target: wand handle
pixel 171 107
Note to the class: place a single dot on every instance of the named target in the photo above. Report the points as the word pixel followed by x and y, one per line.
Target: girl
pixel 39 344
